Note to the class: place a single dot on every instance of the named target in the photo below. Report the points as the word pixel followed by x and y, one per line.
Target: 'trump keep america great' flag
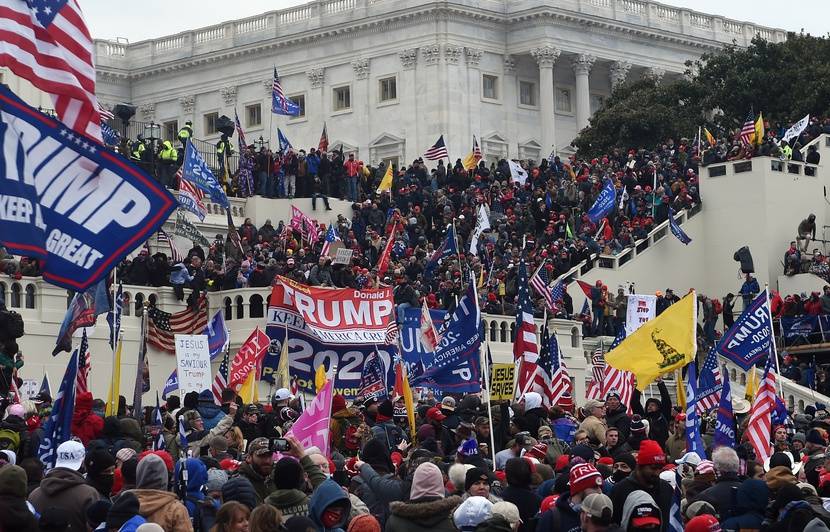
pixel 69 202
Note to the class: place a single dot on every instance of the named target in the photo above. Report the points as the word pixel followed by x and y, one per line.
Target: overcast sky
pixel 137 21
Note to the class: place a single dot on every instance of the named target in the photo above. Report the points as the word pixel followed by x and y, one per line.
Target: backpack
pixel 717 306
pixel 204 513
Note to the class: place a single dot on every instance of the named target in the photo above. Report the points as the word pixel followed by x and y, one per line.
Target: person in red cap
pixel 583 479
pixel 646 477
pixel 703 523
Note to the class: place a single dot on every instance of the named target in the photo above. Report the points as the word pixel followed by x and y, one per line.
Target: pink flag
pixel 312 427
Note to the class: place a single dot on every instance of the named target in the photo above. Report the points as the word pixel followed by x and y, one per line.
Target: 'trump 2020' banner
pixel 306 351
pixel 338 315
pixel 68 201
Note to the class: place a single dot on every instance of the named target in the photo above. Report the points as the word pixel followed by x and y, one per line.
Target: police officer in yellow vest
pixel 169 157
pixel 137 149
pixel 786 150
pixel 224 150
pixel 185 133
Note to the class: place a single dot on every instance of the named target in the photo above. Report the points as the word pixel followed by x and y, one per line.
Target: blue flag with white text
pixel 159 443
pixel 67 201
pixel 748 340
pixel 457 363
pixel 58 427
pixel 604 203
pixel 694 442
pixel 196 170
pixel 83 310
pixel 676 230
pixel 373 379
pixel 725 421
pixel 284 144
pixel 114 316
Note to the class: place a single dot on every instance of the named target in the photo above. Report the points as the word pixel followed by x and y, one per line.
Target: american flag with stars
pixel 594 390
pixel 47 43
pixel 163 326
pixel 280 104
pixel 437 151
pixel 175 255
pixel 331 238
pixel 220 381
pixel 81 381
pixel 525 349
pixel 551 381
pixel 541 283
pixel 617 380
pixel 747 134
pixel 709 383
pixel 760 416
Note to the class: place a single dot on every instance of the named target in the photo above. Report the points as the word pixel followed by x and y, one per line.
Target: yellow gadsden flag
pixel 662 345
pixel 386 182
pixel 759 130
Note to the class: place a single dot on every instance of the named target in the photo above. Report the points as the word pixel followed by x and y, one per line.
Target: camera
pixel 278 445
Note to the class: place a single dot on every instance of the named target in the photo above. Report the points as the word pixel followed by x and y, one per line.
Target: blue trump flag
pixel 280 104
pixel 58 428
pixel 694 442
pixel 748 340
pixel 114 316
pixel 84 308
pixel 196 170
pixel 373 379
pixel 725 422
pixel 676 230
pixel 284 144
pixel 604 203
pixel 457 363
pixel 448 248
pixel 159 443
pixel 218 339
pixel 413 351
pixel 67 201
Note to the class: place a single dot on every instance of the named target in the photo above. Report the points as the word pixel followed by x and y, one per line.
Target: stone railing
pixel 614 262
pixel 794 395
pixel 322 13
pixel 794 168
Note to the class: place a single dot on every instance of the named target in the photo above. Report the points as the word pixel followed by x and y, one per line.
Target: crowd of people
pixel 236 467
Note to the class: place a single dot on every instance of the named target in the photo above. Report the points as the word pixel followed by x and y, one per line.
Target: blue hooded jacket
pixel 327 494
pixel 133 524
pixel 196 478
pixel 211 412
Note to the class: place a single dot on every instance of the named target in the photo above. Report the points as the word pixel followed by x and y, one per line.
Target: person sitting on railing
pixel 807 231
pixel 813 157
pixel 792 260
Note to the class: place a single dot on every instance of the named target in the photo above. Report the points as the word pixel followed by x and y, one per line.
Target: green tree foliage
pixel 784 81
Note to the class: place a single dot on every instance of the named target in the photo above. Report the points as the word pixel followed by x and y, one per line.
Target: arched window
pixel 240 308
pixel 139 304
pixel 494 331
pixel 512 332
pixel 743 378
pixel 575 337
pixel 15 299
pixel 504 336
pixel 30 296
pixel 125 304
pixel 226 303
pixel 3 293
pixel 255 307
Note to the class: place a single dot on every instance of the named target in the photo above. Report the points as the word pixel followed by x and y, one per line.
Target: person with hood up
pixel 14 513
pixel 64 487
pixel 518 474
pixel 109 437
pixel 157 505
pixel 289 479
pixel 329 507
pixel 751 501
pixel 658 412
pixel 534 414
pixel 200 508
pixel 198 435
pixel 132 435
pixel 100 471
pixel 86 425
pixel 123 515
pixel 211 412
pixel 646 477
pixel 640 512
pixel 584 480
pixel 427 508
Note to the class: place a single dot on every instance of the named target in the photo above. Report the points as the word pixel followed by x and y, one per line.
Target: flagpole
pixel 773 348
pixel 486 372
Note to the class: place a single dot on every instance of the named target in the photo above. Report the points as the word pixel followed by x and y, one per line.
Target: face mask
pixel 618 475
pixel 330 518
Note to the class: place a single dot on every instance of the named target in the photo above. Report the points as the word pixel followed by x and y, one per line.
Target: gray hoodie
pixel 636 498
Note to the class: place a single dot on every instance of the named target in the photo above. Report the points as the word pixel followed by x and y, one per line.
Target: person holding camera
pixel 289 477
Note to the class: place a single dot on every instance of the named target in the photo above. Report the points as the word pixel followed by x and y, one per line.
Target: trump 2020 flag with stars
pixel 604 203
pixel 694 442
pixel 83 310
pixel 748 340
pixel 58 428
pixel 676 230
pixel 77 207
pixel 199 173
pixel 725 421
pixel 457 364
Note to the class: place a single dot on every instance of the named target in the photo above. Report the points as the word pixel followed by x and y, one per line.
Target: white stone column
pixel 409 101
pixel 582 64
pixel 545 57
pixel 361 105
pixel 511 104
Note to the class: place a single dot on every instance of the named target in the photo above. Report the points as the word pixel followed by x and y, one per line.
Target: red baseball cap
pixel 435 414
pixel 645 515
pixel 703 523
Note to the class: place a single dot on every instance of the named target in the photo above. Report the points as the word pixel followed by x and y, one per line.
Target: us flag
pixel 392 331
pixel 175 255
pixel 760 417
pixel 105 113
pixel 81 381
pixel 709 383
pixel 437 151
pixel 162 326
pixel 747 134
pixel 594 390
pixel 618 380
pixel 220 381
pixel 280 104
pixel 331 238
pixel 47 43
pixel 477 148
pixel 541 283
pixel 525 350
pixel 552 375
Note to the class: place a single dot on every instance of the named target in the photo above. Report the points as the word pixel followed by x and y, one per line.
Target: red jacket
pixel 86 425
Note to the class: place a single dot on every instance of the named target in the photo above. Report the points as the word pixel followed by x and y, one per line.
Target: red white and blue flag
pixel 81 381
pixel 760 416
pixel 551 380
pixel 437 151
pixel 709 383
pixel 372 379
pixel 47 43
pixel 191 197
pixel 525 348
pixel 331 238
pixel 220 381
pixel 280 104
